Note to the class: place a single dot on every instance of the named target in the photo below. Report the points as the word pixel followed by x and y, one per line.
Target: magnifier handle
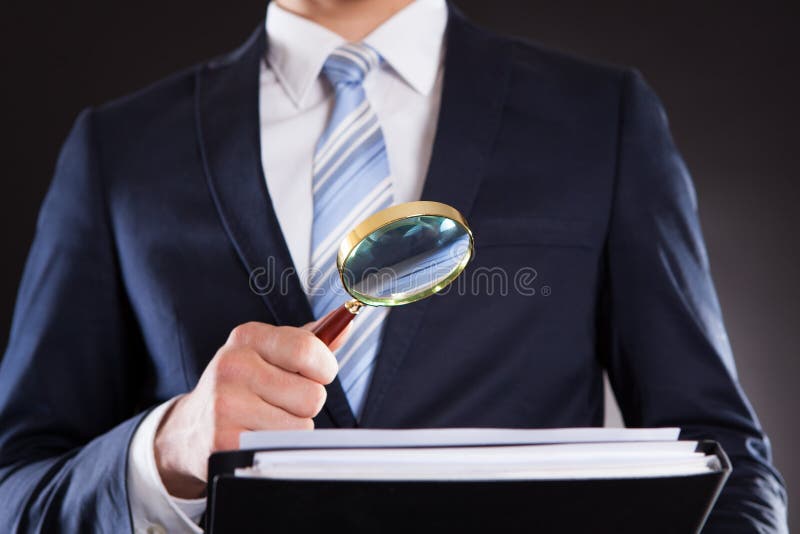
pixel 334 323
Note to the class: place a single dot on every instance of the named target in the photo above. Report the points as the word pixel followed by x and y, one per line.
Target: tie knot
pixel 350 63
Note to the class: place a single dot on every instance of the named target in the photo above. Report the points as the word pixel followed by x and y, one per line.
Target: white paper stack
pixel 473 454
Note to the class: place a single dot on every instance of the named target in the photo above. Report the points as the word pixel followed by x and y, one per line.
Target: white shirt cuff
pixel 153 509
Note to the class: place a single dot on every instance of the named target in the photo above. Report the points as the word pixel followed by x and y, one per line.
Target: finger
pixel 339 340
pixel 246 410
pixel 293 349
pixel 289 391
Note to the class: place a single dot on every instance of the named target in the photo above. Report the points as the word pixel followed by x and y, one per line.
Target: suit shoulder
pixel 170 100
pixel 173 91
pixel 154 102
pixel 564 69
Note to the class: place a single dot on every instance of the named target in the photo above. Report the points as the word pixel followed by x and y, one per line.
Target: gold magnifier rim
pixel 390 215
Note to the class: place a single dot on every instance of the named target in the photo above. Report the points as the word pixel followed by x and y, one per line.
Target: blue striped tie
pixel 351 181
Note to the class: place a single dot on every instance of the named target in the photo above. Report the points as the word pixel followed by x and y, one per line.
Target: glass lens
pixel 406 260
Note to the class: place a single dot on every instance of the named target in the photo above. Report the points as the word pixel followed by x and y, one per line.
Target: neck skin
pixel 352 19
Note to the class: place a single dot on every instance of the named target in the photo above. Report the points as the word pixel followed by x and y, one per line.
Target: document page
pixel 444 437
pixel 473 454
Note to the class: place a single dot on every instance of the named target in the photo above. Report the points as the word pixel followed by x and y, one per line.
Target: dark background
pixel 726 71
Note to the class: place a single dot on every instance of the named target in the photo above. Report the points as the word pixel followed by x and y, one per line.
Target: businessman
pixel 140 344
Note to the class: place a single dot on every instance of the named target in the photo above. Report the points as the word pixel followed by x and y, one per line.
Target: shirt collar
pixel 410 42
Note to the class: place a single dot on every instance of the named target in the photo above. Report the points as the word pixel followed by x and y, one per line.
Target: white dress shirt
pixel 294 105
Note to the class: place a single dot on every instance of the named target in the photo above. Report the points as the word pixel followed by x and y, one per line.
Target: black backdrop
pixel 727 73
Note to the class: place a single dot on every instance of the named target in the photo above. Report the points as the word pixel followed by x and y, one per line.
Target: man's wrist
pixel 151 504
pixel 170 459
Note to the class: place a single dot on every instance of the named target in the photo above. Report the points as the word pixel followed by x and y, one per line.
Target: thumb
pixel 340 339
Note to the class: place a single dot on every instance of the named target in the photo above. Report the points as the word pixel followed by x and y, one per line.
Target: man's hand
pixel 264 378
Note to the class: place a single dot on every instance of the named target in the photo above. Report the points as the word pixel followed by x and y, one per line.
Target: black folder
pixel 674 504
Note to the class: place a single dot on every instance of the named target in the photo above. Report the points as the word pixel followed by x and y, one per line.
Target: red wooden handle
pixel 333 324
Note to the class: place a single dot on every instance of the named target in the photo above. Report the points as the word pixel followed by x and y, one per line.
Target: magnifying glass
pixel 398 255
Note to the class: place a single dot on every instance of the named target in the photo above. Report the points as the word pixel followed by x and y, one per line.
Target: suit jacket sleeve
pixel 67 379
pixel 666 350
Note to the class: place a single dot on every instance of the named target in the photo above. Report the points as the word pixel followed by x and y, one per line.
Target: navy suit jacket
pixel 159 212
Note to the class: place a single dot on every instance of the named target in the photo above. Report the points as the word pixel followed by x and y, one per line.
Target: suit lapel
pixel 227 116
pixel 476 71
